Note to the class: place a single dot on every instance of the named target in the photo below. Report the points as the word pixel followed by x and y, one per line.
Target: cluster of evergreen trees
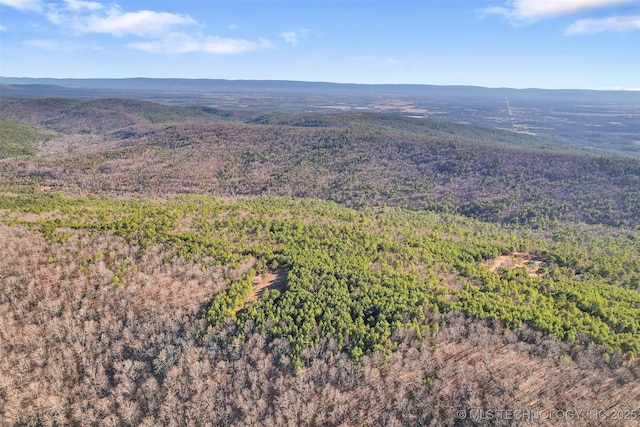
pixel 360 276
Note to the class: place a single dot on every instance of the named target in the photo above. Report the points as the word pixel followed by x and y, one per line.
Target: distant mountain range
pixel 299 87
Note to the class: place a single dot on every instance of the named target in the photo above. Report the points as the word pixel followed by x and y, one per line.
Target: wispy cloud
pixel 615 23
pixel 114 20
pixel 43 44
pixel 158 32
pixel 27 5
pixel 519 11
pixel 294 37
pixel 396 64
pixel 78 5
pixel 143 23
pixel 3 28
pixel 290 37
pixel 59 45
pixel 522 12
pixel 181 43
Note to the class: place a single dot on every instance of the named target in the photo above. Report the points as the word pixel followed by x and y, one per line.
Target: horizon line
pixel 611 89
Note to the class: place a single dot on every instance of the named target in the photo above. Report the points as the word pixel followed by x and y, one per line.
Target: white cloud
pixel 182 43
pixel 294 37
pixel 613 23
pixel 78 5
pixel 290 37
pixel 497 10
pixel 141 23
pixel 51 45
pixel 161 32
pixel 521 11
pixel 33 5
pixel 3 28
pixel 116 22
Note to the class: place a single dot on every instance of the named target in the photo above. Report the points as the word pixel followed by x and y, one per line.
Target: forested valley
pixel 195 266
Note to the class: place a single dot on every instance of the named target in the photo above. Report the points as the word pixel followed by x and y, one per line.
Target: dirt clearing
pixel 276 279
pixel 524 260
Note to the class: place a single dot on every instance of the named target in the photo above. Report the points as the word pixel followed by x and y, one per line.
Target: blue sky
pixel 593 44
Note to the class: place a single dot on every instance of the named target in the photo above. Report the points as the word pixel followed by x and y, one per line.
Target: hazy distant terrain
pixel 597 119
pixel 181 252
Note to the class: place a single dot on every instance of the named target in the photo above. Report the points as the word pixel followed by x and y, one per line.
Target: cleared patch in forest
pixel 525 260
pixel 276 279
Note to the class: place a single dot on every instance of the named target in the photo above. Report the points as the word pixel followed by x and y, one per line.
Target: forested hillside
pixel 357 160
pixel 190 266
pixel 17 139
pixel 148 305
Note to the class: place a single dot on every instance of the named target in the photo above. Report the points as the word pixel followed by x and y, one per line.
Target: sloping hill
pixel 415 126
pixel 351 165
pixel 17 139
pixel 98 116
